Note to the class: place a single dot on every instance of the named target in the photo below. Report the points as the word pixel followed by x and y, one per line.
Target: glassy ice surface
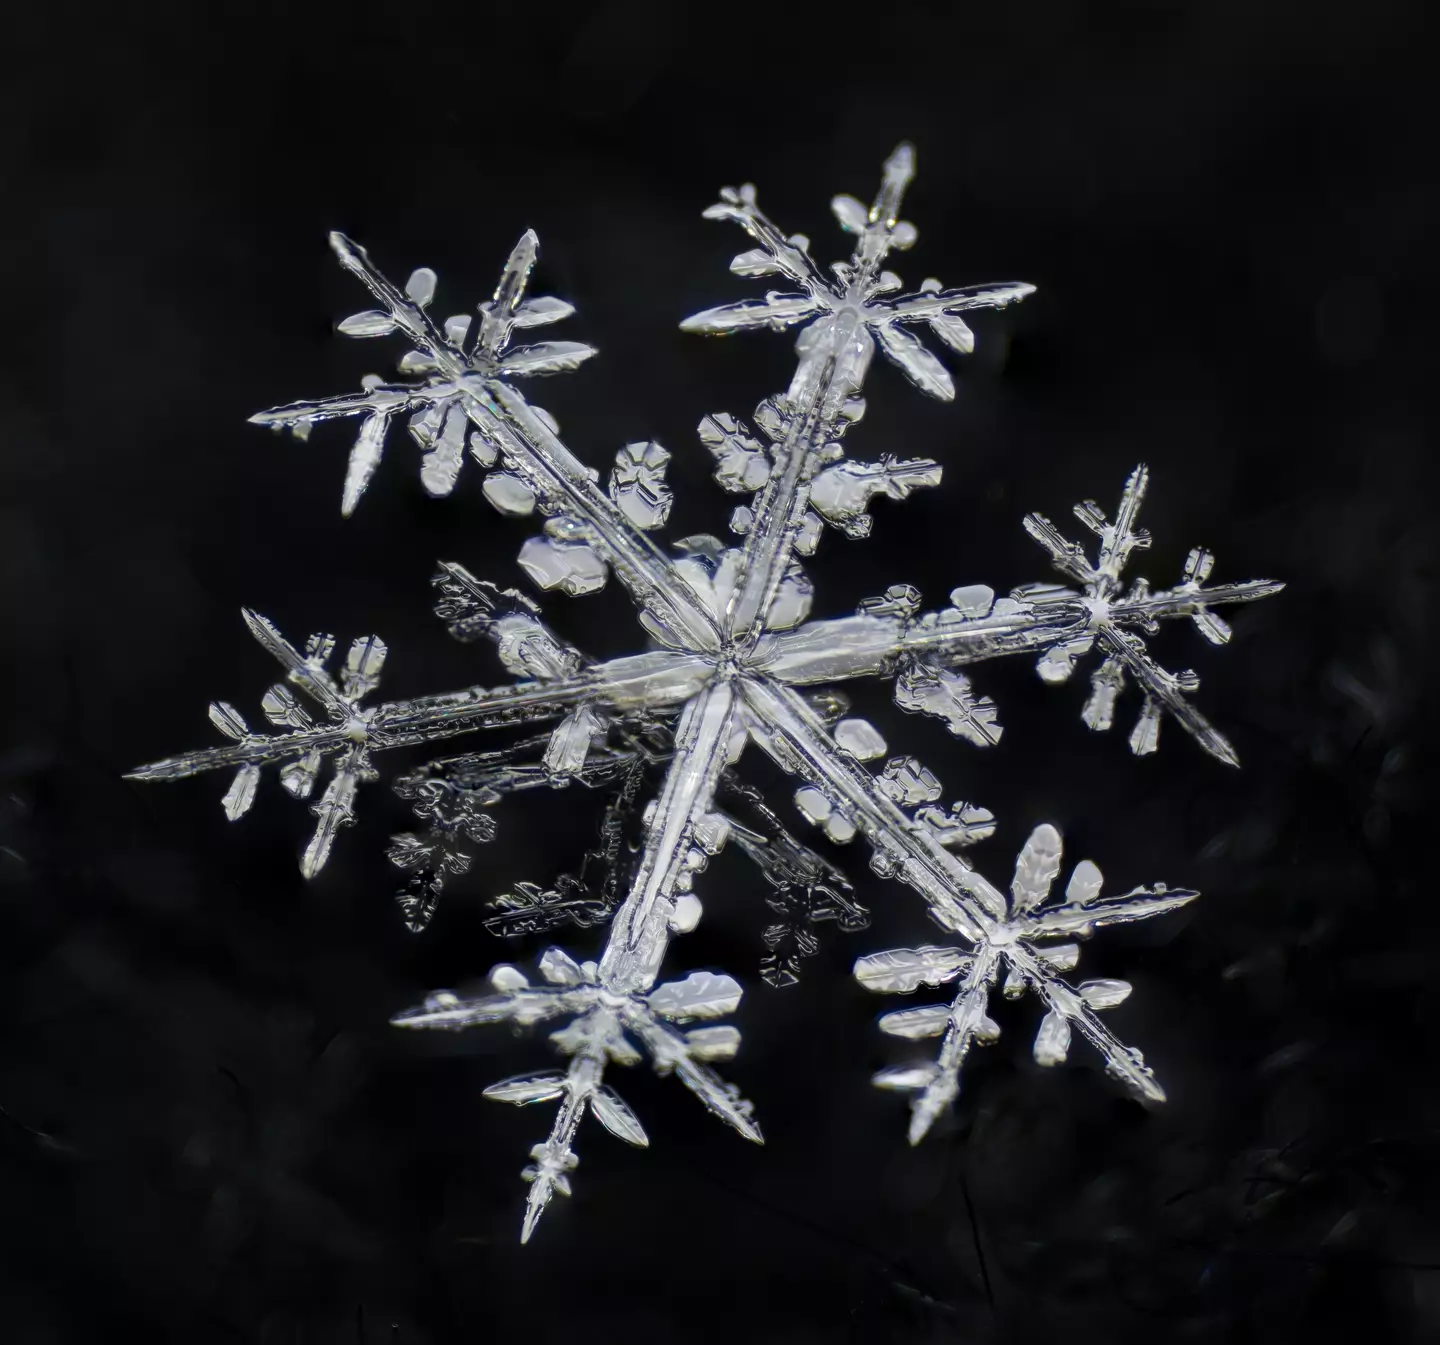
pixel 730 658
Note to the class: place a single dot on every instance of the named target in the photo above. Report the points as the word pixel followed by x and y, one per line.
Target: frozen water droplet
pixel 860 739
pixel 791 605
pixel 907 782
pixel 372 322
pixel 421 286
pixel 814 804
pixel 637 485
pixel 972 601
pixel 573 567
pixel 510 494
pixel 686 913
pixel 506 979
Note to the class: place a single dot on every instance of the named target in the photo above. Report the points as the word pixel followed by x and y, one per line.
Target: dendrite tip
pixel 902 158
pixel 534 1208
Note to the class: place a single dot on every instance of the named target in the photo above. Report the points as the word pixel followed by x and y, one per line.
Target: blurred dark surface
pixel 210 1134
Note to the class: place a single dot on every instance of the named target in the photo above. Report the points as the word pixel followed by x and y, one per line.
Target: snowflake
pixel 733 660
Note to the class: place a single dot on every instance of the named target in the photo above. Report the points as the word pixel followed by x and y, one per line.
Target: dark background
pixel 210 1134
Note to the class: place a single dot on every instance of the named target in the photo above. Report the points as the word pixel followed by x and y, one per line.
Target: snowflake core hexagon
pixel 732 660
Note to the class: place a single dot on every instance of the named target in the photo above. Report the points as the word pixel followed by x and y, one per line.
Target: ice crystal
pixel 733 659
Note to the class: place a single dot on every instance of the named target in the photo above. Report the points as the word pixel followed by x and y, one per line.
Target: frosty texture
pixel 733 659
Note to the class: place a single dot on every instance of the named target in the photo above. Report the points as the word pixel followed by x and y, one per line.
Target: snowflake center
pixel 731 663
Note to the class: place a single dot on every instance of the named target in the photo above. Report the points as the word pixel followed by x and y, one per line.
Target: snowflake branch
pixel 883 227
pixel 785 256
pixel 638 939
pixel 790 730
pixel 660 680
pixel 870 643
pixel 377 397
pixel 929 305
pixel 774 312
pixel 410 317
pixel 1165 690
pixel 604 1013
pixel 968 1022
pixel 504 421
pixel 1029 966
pixel 1123 1062
pixel 1114 615
pixel 398 724
pixel 1084 917
pixel 1190 602
pixel 555 1158
pixel 502 414
pixel 779 511
pixel 638 563
pixel 702 740
pixel 671 1050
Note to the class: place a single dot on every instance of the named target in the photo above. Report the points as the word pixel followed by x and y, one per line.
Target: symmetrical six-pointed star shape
pixel 733 660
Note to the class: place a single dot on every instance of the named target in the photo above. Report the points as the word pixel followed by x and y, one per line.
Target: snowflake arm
pixel 974 628
pixel 351 733
pixel 777 255
pixel 440 355
pixel 1164 691
pixel 614 998
pixel 1118 617
pixel 1192 598
pixel 788 728
pixel 471 387
pixel 1014 944
pixel 405 723
pixel 963 1024
pixel 931 304
pixel 850 316
pixel 680 838
pixel 702 741
pixel 595 1038
pixel 774 312
pixel 1001 929
pixel 835 353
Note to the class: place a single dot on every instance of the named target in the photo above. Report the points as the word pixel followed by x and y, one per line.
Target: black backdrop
pixel 209 1132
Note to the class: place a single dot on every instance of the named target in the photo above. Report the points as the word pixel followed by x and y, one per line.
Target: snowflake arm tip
pixel 849 315
pixel 1017 943
pixel 1118 618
